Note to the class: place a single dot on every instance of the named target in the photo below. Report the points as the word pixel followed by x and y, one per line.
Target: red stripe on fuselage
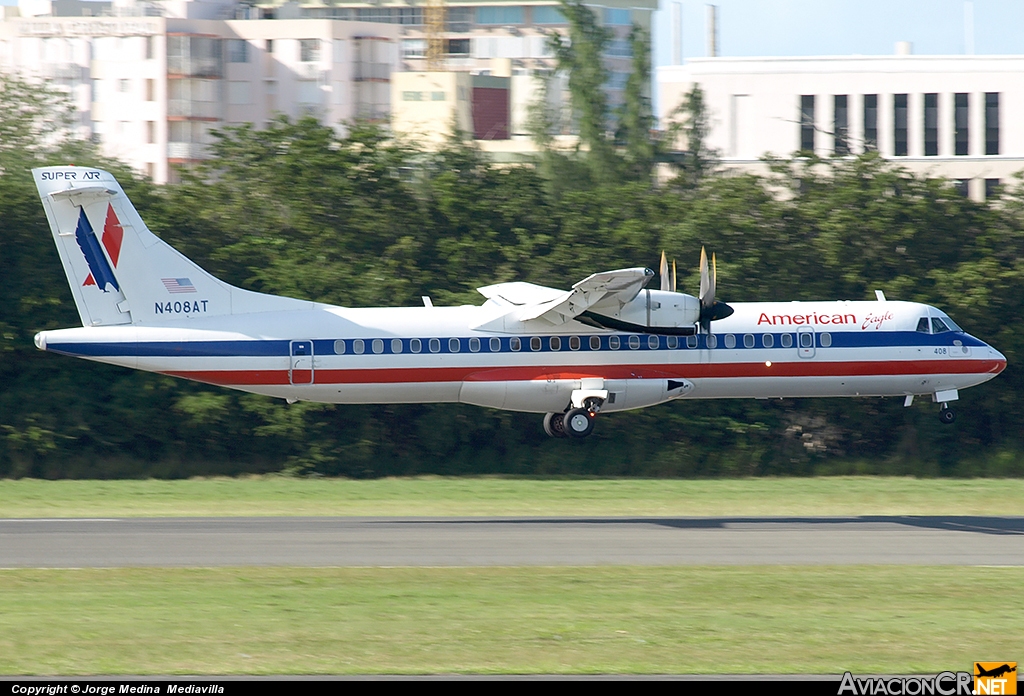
pixel 803 368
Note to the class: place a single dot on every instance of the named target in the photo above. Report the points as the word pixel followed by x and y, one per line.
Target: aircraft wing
pixel 559 307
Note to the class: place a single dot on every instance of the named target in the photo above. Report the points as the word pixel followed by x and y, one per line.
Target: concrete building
pixel 957 117
pixel 501 38
pixel 149 88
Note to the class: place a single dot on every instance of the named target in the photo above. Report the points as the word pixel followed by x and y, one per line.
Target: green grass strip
pixel 435 496
pixel 508 620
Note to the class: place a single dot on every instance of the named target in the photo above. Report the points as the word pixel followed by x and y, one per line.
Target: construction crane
pixel 435 11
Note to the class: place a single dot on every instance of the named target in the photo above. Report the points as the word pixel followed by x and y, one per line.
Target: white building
pixel 149 88
pixel 957 117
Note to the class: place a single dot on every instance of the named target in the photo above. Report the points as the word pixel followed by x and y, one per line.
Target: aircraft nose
pixel 999 358
pixel 40 340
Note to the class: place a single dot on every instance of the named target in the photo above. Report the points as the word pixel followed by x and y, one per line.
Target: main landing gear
pixel 946 414
pixel 575 422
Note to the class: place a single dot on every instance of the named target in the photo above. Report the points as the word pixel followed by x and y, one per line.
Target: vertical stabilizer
pixel 119 271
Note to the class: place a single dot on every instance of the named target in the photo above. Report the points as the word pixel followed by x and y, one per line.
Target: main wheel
pixel 554 425
pixel 947 415
pixel 579 422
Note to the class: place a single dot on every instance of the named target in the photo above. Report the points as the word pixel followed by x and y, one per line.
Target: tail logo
pixel 100 272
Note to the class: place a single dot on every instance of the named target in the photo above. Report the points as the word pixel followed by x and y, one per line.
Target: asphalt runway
pixel 347 541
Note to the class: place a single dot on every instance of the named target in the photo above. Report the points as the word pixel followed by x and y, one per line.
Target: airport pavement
pixel 349 541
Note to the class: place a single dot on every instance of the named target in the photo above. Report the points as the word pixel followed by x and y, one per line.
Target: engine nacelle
pixel 652 309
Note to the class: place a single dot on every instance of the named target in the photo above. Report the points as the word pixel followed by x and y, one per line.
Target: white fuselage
pixel 431 354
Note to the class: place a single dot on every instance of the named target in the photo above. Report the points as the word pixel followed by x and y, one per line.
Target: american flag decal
pixel 176 286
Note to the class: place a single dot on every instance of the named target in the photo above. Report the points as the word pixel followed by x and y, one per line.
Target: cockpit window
pixel 922 325
pixel 950 323
pixel 939 326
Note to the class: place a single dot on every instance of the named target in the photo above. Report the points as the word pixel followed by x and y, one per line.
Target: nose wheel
pixel 946 414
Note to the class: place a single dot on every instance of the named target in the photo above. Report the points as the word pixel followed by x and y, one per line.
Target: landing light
pixel 767 363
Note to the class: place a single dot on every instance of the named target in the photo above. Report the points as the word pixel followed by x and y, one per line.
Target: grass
pixel 437 496
pixel 509 620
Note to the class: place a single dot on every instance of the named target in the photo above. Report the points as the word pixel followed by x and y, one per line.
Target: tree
pixel 692 122
pixel 636 119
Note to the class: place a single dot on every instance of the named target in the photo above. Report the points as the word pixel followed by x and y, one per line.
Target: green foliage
pixel 360 220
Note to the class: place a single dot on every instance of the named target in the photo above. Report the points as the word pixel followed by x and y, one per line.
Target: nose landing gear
pixel 946 414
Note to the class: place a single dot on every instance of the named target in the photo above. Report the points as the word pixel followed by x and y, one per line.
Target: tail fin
pixel 119 271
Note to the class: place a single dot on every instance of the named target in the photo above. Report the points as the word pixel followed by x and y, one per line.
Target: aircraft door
pixel 805 342
pixel 300 370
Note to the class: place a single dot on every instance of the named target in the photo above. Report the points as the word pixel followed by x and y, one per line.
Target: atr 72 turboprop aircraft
pixel 607 344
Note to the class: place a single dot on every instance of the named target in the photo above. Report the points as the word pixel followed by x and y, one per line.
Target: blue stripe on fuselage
pixel 279 347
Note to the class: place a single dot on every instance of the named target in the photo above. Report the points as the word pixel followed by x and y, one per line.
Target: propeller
pixel 668 281
pixel 710 309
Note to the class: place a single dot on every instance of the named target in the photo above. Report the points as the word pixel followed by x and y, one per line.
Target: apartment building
pixel 957 117
pixel 150 88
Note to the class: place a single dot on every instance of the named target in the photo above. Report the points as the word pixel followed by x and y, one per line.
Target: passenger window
pixel 535 343
pixel 826 340
pixel 435 345
pixel 787 340
pixel 377 346
pixel 454 346
pixel 922 325
pixel 939 326
pixel 339 347
pixel 634 342
pixel 495 344
pixel 613 343
pixel 748 340
pixel 712 341
pixel 806 340
pixel 555 342
pixel 396 345
pixel 358 346
pixel 730 341
pixel 768 340
pixel 474 345
pixel 415 345
pixel 515 344
pixel 691 341
pixel 595 343
pixel 574 343
pixel 672 342
pixel 653 342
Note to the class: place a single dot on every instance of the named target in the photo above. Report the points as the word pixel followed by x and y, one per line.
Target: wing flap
pixel 622 286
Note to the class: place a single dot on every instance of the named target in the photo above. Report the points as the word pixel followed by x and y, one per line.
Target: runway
pixel 346 541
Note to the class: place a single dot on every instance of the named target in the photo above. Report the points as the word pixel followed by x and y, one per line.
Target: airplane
pixel 607 344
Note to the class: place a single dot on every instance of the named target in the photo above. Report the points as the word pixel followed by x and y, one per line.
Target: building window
pixel 458 47
pixel 309 50
pixel 238 51
pixel 151 132
pixel 616 17
pixel 375 14
pixel 414 48
pixel 899 125
pixel 150 90
pixel 841 126
pixel 499 15
pixel 548 14
pixel 870 122
pixel 124 85
pixel 992 123
pixel 270 45
pixel 149 48
pixel 962 186
pixel 458 19
pixel 619 48
pixel 412 95
pixel 410 16
pixel 931 125
pixel 807 122
pixel 961 119
pixel 991 189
